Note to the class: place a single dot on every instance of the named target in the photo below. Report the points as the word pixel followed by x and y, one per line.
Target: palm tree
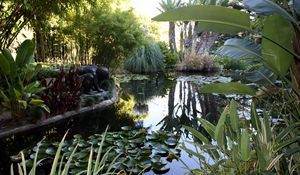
pixel 166 5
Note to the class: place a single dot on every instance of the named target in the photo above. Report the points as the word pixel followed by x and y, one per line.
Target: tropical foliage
pixel 280 55
pixel 132 151
pixel 19 94
pixel 147 59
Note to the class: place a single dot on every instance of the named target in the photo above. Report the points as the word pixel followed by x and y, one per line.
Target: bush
pixel 148 58
pixel 170 58
pixel 116 35
pixel 202 62
pixel 229 63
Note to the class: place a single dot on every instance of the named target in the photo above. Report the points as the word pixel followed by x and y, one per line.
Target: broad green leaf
pixel 296 6
pixel 239 49
pixel 209 127
pixel 245 145
pixel 234 118
pixel 25 53
pixel 11 61
pixel 280 32
pixel 197 134
pixel 211 18
pixel 228 88
pixel 220 128
pixel 267 7
pixel 4 65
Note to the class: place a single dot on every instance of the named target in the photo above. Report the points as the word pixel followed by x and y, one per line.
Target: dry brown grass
pixel 203 62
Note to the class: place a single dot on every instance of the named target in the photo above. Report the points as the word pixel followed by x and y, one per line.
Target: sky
pixel 146 8
pixel 149 9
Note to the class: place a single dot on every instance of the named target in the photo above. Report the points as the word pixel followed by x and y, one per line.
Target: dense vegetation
pixel 261 37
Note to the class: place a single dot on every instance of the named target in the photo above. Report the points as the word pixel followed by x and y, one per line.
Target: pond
pixel 168 104
pixel 154 102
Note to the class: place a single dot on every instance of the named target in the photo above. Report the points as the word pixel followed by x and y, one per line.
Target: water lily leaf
pixel 228 88
pixel 50 151
pixel 156 158
pixel 171 142
pixel 152 136
pixel 126 128
pixel 160 169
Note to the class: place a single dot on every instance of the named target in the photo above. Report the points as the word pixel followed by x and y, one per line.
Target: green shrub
pixel 148 58
pixel 116 36
pixel 170 58
pixel 229 63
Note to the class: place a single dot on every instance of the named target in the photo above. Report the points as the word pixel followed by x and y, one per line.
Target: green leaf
pixel 245 145
pixel 4 97
pixel 277 31
pixel 228 88
pixel 286 131
pixel 11 61
pixel 234 118
pixel 256 124
pixel 4 65
pixel 267 7
pixel 209 127
pixel 212 18
pixel 25 53
pixel 197 134
pixel 220 129
pixel 267 128
pixel 239 49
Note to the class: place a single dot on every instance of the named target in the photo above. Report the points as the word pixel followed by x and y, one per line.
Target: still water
pixel 154 102
pixel 168 104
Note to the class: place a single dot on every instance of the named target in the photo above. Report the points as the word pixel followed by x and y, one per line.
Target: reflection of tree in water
pixel 144 90
pixel 186 105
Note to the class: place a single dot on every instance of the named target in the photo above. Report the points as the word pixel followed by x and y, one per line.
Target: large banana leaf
pixel 267 7
pixel 240 48
pixel 228 88
pixel 212 18
pixel 277 32
pixel 25 53
pixel 262 76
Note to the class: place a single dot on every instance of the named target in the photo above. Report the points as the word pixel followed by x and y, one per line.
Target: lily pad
pixel 50 151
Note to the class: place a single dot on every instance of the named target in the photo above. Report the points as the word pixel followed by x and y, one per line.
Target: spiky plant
pixel 147 59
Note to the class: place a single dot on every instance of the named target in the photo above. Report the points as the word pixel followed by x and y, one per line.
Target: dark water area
pixel 156 102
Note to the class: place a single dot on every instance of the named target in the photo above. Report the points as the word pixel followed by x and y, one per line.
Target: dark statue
pixel 92 78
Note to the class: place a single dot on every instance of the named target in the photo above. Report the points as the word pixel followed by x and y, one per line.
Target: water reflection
pixel 183 103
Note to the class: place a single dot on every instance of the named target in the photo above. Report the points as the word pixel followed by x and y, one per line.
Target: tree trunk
pixel 207 40
pixel 40 44
pixel 172 39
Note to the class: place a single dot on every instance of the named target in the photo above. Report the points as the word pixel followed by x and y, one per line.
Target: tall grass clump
pixel 146 59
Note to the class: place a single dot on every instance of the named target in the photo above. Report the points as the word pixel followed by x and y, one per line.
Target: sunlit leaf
pixel 212 18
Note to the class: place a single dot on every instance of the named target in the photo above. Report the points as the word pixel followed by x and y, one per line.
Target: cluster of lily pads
pixel 133 151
